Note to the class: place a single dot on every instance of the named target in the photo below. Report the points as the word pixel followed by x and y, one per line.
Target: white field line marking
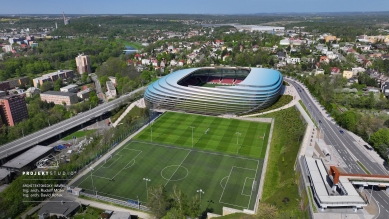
pixel 222 181
pixel 245 168
pixel 245 185
pixel 255 177
pixel 127 167
pixel 127 164
pixel 178 167
pixel 119 156
pixel 205 152
pixel 232 204
pixel 226 184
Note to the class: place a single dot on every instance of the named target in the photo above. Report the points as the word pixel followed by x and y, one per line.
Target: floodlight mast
pixel 200 191
pixel 93 187
pixel 192 134
pixel 147 192
pixel 237 141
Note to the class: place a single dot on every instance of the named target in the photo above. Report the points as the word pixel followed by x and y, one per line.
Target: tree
pixel 386 123
pixel 45 86
pixel 174 213
pixel 84 77
pixel 179 199
pixel 157 201
pixel 380 137
pixel 267 211
pixel 58 84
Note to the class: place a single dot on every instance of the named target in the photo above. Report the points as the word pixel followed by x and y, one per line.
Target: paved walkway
pixel 288 90
pixel 139 103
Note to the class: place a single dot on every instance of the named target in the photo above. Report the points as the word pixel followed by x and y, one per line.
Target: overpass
pixel 56 129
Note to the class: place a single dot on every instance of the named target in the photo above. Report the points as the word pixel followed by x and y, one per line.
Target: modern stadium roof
pixel 259 89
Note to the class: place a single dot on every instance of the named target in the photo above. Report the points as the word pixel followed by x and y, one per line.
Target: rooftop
pixel 58 93
pixel 27 157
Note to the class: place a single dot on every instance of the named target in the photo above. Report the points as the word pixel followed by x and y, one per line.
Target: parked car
pixel 368 147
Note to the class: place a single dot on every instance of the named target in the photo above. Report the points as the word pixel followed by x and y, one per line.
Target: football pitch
pixel 225 161
pixel 231 136
pixel 227 180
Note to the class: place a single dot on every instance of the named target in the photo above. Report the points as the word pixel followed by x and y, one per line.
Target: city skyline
pixel 191 7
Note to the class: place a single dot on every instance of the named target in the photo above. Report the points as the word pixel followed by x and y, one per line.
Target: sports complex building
pixel 210 90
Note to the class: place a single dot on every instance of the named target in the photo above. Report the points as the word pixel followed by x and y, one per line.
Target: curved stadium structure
pixel 216 91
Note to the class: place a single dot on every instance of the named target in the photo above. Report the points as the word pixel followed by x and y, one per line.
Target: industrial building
pixel 13 109
pixel 60 98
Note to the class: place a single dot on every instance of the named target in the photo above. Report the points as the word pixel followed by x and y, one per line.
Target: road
pixel 346 146
pixel 56 129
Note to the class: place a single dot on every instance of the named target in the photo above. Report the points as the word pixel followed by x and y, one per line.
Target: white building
pixel 285 42
pixel 71 88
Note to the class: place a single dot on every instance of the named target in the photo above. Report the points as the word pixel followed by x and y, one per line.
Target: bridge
pixel 56 129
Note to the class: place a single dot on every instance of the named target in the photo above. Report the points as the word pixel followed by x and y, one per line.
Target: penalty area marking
pixel 221 196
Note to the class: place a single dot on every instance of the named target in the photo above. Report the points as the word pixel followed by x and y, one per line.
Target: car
pixel 341 131
pixel 319 121
pixel 368 147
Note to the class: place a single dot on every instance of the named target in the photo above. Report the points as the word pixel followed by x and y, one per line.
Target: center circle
pixel 174 173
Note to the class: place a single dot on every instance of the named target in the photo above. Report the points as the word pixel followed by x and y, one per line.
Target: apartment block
pixel 13 109
pixel 60 98
pixel 83 64
pixel 51 77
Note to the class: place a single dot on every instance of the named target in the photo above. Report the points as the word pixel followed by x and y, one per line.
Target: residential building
pixel 111 90
pixel 83 64
pixel 71 88
pixel 292 60
pixel 357 70
pixel 60 98
pixel 113 80
pixel 13 109
pixel 347 74
pixel 59 206
pixel 329 38
pixel 32 91
pixel 51 77
pixel 3 93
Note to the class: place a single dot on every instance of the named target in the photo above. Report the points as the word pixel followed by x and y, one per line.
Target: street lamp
pixel 137 197
pixel 151 131
pixel 147 192
pixel 237 141
pixel 371 193
pixel 93 187
pixel 192 134
pixel 200 191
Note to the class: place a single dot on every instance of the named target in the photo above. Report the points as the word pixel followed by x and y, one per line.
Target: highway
pixel 56 129
pixel 346 146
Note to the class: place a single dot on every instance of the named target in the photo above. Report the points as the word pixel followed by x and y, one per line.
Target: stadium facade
pixel 216 91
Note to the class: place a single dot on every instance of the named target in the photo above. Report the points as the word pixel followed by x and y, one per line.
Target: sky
pixel 188 7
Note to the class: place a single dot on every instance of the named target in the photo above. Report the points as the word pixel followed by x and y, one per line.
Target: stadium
pixel 216 91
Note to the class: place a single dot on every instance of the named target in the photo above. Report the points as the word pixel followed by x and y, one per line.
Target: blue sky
pixel 187 7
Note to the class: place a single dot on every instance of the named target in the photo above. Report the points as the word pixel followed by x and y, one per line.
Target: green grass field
pixel 175 129
pixel 79 134
pixel 227 180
